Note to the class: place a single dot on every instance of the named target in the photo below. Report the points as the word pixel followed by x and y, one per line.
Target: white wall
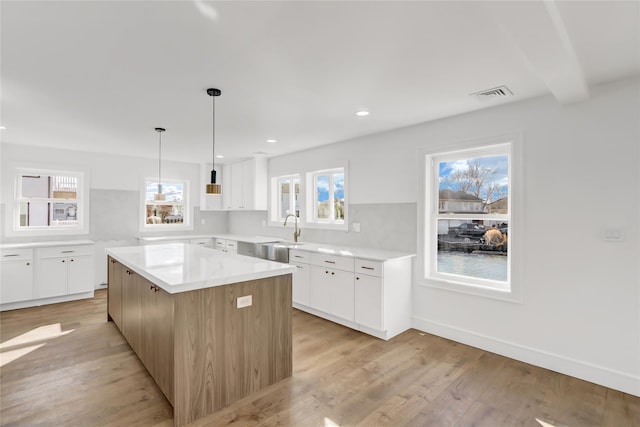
pixel 581 309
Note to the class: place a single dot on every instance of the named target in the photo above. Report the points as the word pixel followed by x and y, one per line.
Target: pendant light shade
pixel 213 187
pixel 159 195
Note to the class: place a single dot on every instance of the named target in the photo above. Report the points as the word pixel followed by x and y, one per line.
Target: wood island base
pixel 201 349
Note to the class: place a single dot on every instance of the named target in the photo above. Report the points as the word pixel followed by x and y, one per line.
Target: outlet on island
pixel 245 301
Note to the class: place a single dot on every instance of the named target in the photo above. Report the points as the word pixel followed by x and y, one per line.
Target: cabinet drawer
pixel 371 268
pixel 232 244
pixel 220 244
pixel 299 256
pixel 65 251
pixel 16 254
pixel 332 261
pixel 208 242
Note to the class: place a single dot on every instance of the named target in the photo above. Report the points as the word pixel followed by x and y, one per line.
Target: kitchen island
pixel 210 327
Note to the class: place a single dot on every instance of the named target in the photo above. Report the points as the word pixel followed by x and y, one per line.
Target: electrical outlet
pixel 613 235
pixel 356 227
pixel 245 301
pixel 202 221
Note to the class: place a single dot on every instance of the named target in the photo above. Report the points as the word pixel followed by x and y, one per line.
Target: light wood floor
pixel 88 376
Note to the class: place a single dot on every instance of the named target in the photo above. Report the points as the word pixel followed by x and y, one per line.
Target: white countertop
pixel 248 239
pixel 45 244
pixel 179 267
pixel 362 253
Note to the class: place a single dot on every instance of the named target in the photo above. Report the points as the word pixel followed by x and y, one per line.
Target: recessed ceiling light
pixel 362 113
pixel 2 127
pixel 219 156
pixel 272 141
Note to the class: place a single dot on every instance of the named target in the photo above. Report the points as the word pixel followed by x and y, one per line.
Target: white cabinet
pixel 225 245
pixel 207 242
pixel 244 185
pixel 332 291
pixel 331 288
pixel 64 270
pixel 370 296
pixel 302 276
pixel 16 275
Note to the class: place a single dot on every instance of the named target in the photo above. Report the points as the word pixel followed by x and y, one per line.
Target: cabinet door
pixel 163 345
pixel 17 281
pixel 248 184
pixel 368 301
pixel 148 327
pixel 80 274
pixel 132 309
pixel 114 291
pixel 237 200
pixel 226 187
pixel 52 277
pixel 301 282
pixel 332 291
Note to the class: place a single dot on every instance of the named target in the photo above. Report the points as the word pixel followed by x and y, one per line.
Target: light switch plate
pixel 245 301
pixel 356 227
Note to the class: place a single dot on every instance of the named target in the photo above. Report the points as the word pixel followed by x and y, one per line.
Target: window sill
pixel 481 290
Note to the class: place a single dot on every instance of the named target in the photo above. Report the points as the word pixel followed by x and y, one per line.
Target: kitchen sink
pixel 276 251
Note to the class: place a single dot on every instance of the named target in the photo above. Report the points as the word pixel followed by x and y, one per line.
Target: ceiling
pixel 100 76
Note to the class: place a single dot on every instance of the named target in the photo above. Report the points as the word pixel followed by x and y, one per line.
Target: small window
pixel 286 194
pixel 50 200
pixel 328 203
pixel 168 209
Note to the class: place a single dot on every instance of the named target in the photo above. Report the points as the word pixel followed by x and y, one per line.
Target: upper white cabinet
pixel 244 185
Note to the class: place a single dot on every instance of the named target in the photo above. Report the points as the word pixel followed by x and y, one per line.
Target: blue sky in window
pixel 322 184
pixel 499 166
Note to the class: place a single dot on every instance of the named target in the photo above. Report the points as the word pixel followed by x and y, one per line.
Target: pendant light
pixel 159 196
pixel 213 188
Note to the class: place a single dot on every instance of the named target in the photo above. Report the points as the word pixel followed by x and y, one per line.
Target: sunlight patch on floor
pixel 41 333
pixel 11 355
pixel 22 345
pixel 546 424
pixel 329 423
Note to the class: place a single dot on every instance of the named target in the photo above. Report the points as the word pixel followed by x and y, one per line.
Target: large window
pixel 50 201
pixel 170 210
pixel 468 216
pixel 327 198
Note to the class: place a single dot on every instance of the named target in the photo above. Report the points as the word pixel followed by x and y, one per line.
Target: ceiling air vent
pixel 494 93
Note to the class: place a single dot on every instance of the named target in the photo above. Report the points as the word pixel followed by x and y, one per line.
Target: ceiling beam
pixel 537 29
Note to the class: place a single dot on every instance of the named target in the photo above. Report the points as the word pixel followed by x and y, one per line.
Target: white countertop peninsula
pixel 179 267
pixel 45 244
pixel 351 252
pixel 236 237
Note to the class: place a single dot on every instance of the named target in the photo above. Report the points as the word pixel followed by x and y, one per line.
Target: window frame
pixel 312 221
pixel 185 225
pixel 81 200
pixel 276 198
pixel 429 215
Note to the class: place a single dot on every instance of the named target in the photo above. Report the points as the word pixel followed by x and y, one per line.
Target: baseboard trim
pixel 600 375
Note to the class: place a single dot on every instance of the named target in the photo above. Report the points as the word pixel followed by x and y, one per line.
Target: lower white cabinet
pixel 16 275
pixel 301 282
pixel 367 295
pixel 65 270
pixel 368 301
pixel 225 245
pixel 331 291
pixel 44 275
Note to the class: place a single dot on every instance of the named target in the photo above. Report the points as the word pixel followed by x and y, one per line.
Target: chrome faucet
pixel 296 232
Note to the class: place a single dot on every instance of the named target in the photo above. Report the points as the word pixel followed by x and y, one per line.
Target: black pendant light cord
pixel 213 93
pixel 160 130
